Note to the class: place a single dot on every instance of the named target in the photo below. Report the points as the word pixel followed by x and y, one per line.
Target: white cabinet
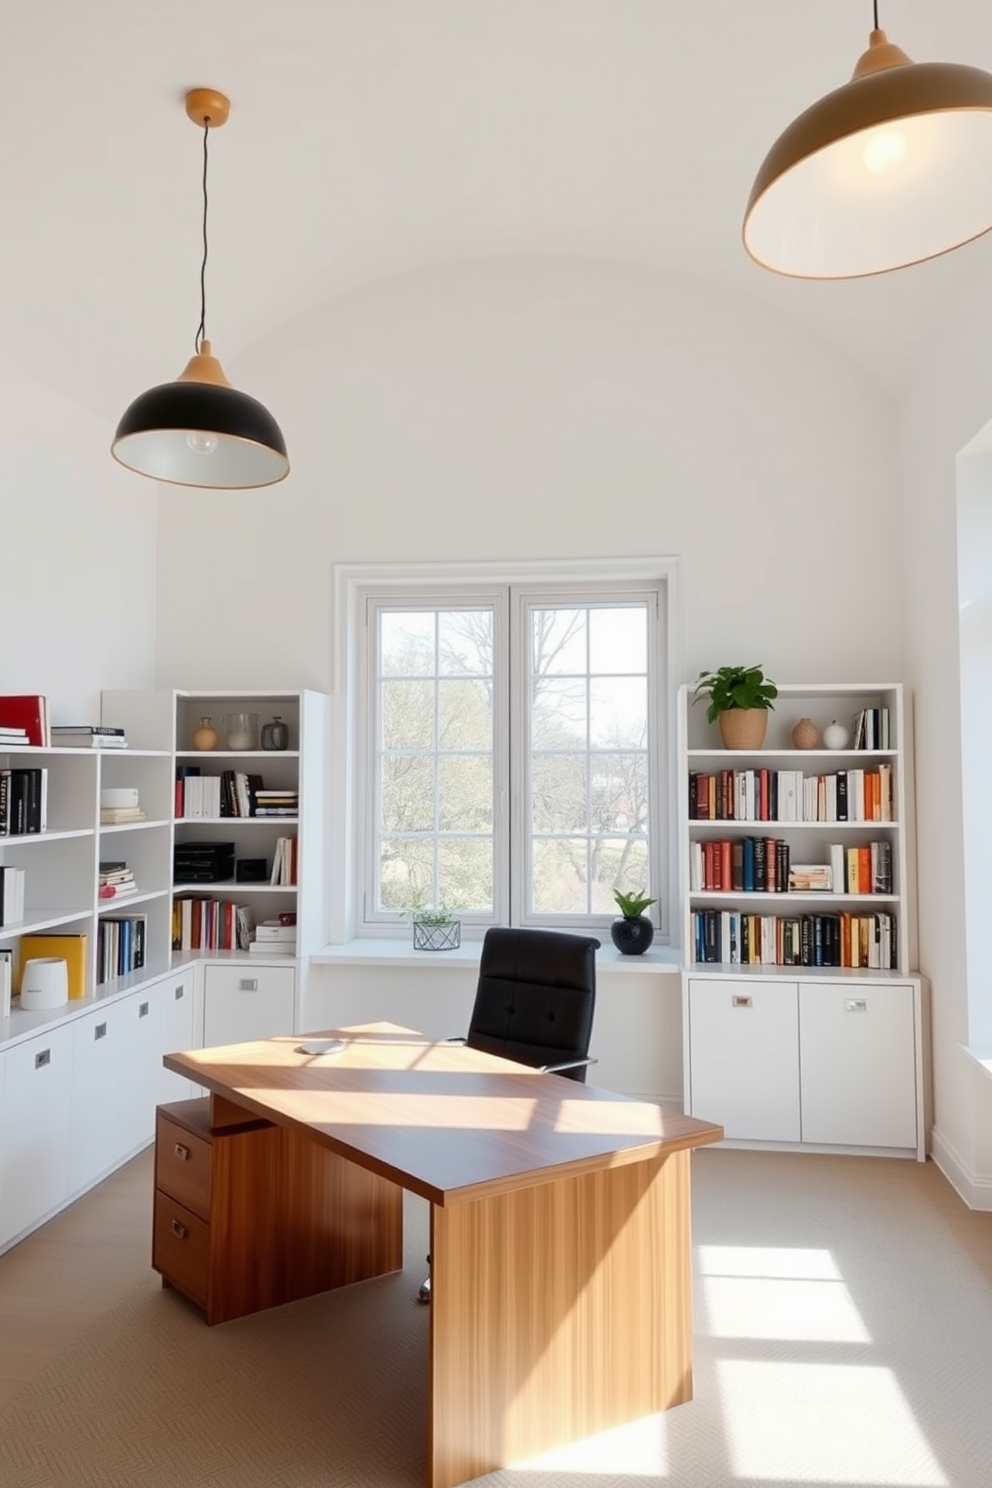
pixel 176 1034
pixel 34 1130
pixel 247 1002
pixel 743 1040
pixel 99 1052
pixel 823 1063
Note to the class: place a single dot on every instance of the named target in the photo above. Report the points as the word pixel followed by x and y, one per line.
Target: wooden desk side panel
pixel 340 1223
pixel 246 1272
pixel 557 1312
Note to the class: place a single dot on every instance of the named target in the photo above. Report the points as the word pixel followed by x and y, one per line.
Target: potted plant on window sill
pixel 437 929
pixel 633 932
pixel 739 697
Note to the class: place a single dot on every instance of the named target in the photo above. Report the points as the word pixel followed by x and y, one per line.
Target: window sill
pixel 369 952
pixel 982 1057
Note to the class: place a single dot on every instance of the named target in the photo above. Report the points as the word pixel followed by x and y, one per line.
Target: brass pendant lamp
pixel 199 430
pixel 893 168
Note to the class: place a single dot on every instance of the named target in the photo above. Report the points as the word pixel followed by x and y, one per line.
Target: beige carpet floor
pixel 844 1337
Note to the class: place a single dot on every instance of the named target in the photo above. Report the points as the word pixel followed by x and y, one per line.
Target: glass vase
pixel 241 730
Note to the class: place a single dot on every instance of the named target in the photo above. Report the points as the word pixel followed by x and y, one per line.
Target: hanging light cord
pixel 876 14
pixel 202 327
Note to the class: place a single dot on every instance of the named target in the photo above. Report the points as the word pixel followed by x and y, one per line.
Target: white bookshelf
pixel 822 1056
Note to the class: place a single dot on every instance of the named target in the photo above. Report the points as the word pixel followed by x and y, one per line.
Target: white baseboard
pixel 974 1190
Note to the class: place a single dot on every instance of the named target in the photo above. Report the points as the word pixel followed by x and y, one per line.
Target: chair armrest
pixel 553 1069
pixel 455 1038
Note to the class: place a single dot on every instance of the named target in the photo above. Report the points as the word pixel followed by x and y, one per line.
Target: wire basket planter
pixel 443 936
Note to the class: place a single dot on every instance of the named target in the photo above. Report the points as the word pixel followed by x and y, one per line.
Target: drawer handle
pixel 179 993
pixel 181 1152
pixel 42 1058
pixel 855 1004
pixel 738 1001
pixel 142 1010
pixel 100 1031
pixel 179 1230
pixel 248 984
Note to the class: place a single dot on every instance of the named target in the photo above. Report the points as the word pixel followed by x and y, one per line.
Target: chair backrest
pixel 536 997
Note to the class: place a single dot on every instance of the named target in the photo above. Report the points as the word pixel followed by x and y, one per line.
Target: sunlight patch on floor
pixel 880 1441
pixel 771 1292
pixel 637 1448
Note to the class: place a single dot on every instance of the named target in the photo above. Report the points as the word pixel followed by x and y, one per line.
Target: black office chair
pixel 534 1003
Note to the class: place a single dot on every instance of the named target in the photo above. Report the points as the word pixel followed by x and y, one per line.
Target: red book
pixel 28 712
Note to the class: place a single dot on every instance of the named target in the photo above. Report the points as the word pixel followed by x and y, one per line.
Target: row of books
pixel 202 923
pixel 11 894
pixel 120 946
pixel 284 861
pixel 23 801
pixel 231 793
pixel 756 865
pixel 871 729
pixel 791 795
pixel 732 938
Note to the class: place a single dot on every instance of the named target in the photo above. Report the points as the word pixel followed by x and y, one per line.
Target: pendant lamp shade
pixel 199 430
pixel 893 168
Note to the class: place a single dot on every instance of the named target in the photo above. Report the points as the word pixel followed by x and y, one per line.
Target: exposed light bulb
pixel 884 149
pixel 202 443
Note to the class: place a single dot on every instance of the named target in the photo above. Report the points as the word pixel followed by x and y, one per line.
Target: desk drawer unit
pixel 181 1249
pixel 184 1161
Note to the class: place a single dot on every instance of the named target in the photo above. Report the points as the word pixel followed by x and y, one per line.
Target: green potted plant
pixel 739 699
pixel 633 932
pixel 434 929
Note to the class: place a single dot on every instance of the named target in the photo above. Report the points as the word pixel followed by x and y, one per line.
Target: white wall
pixel 77 555
pixel 551 410
pixel 950 402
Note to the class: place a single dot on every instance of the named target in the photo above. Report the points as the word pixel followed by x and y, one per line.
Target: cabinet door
pixel 96 1141
pixel 139 1073
pixel 744 1057
pixel 244 1002
pixel 175 994
pixel 858 1063
pixel 34 1120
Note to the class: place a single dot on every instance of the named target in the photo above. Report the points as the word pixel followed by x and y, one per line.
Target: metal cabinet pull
pixel 180 992
pixel 142 1010
pixel 248 984
pixel 100 1031
pixel 179 1230
pixel 738 1001
pixel 855 1004
pixel 181 1152
pixel 43 1058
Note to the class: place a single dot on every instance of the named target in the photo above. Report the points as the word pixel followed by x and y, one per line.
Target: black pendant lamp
pixel 893 168
pixel 199 430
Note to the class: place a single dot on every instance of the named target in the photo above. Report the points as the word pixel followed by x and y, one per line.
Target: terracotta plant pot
pixel 743 728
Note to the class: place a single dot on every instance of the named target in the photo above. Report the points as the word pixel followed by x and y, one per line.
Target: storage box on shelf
pixel 802 1020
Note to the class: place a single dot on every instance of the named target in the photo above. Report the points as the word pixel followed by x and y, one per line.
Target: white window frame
pixel 350 823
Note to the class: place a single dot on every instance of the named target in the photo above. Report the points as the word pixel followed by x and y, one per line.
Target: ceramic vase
pixel 805 735
pixel 205 737
pixel 632 936
pixel 836 736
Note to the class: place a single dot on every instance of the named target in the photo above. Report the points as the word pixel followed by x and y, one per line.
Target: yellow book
pixel 71 949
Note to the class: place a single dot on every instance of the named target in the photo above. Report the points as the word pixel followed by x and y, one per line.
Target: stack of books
pixel 12 737
pixel 116 880
pixel 273 938
pixel 27 716
pixel 87 736
pixel 277 803
pixel 117 816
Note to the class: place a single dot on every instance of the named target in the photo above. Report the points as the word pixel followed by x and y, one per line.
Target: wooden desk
pixel 560 1245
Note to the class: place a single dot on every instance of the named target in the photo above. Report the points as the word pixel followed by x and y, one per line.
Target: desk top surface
pixel 442 1120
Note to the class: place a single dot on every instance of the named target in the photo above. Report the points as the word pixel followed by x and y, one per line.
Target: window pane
pixel 619 793
pixel 559 793
pixel 558 642
pixel 617 863
pixel 466 793
pixel 406 871
pixel 465 715
pixel 559 718
pixel 407 794
pixel 466 874
pixel 560 875
pixel 618 639
pixel 406 643
pixel 407 710
pixel 465 643
pixel 618 712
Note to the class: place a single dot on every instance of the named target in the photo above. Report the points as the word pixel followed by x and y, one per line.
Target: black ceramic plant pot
pixel 632 937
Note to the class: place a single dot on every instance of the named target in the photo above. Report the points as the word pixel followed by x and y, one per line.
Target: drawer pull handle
pixel 856 1004
pixel 179 1230
pixel 248 984
pixel 142 1010
pixel 181 1152
pixel 100 1031
pixel 738 1001
pixel 42 1058
pixel 179 993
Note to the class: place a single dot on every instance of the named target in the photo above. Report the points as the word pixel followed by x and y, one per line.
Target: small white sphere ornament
pixel 836 736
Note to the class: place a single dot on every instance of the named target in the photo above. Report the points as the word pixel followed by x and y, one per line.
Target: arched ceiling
pixel 374 137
